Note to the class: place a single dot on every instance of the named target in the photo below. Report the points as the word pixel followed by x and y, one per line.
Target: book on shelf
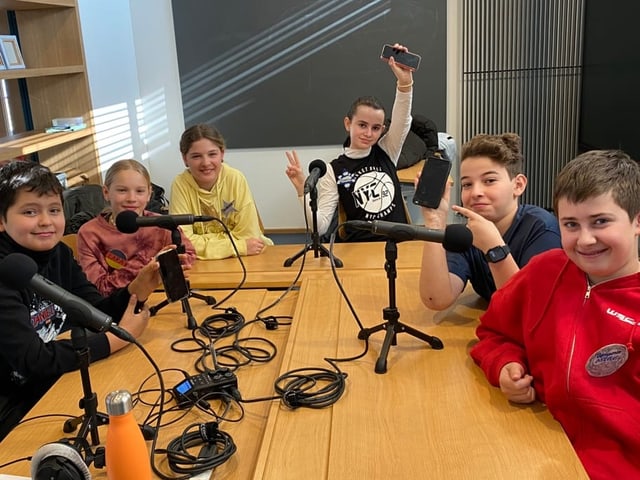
pixel 66 128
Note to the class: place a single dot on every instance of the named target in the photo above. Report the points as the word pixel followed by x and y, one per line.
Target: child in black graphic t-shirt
pixel 363 179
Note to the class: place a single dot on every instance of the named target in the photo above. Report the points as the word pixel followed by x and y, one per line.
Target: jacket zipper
pixel 587 294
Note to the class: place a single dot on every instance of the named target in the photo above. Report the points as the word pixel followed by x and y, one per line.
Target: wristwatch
pixel 497 254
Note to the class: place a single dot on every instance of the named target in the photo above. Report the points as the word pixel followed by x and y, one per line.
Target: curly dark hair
pixel 25 175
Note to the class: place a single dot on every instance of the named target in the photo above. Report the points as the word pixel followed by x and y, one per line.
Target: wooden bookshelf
pixel 57 85
pixel 29 142
pixel 40 72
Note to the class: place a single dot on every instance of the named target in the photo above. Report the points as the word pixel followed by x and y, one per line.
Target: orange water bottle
pixel 127 457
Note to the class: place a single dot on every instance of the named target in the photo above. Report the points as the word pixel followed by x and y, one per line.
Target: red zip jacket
pixel 549 319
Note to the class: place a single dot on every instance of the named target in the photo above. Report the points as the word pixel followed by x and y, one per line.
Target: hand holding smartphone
pixel 432 182
pixel 408 60
pixel 173 279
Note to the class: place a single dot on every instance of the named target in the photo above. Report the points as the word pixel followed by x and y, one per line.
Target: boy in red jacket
pixel 564 329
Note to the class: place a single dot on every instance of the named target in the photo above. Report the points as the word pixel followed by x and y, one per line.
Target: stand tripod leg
pixel 289 261
pixel 367 332
pixel 85 423
pixel 389 339
pixel 208 299
pixel 156 308
pixel 434 342
pixel 323 252
pixel 87 426
pixel 192 324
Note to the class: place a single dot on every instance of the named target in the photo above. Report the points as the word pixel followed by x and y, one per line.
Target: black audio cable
pixel 216 447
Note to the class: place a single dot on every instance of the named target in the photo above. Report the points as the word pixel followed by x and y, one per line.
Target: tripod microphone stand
pixel 392 326
pixel 192 324
pixel 91 419
pixel 315 245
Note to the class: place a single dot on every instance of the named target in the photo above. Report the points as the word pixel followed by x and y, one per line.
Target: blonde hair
pixel 121 166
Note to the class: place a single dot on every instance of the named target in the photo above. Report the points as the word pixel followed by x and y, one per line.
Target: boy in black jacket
pixel 31 358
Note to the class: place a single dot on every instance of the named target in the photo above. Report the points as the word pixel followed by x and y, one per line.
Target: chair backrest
pixel 81 204
pixel 158 202
pixel 71 240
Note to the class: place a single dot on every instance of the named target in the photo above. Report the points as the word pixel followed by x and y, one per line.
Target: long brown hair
pixel 198 132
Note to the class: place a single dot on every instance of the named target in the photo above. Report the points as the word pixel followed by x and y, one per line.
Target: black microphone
pixel 128 221
pixel 20 271
pixel 454 238
pixel 317 169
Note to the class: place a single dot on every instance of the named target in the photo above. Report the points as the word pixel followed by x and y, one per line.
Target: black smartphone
pixel 432 182
pixel 175 284
pixel 410 61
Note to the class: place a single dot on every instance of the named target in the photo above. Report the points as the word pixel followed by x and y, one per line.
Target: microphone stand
pixel 391 315
pixel 315 245
pixel 192 324
pixel 91 419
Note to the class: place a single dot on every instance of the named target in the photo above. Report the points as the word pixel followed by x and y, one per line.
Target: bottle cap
pixel 119 402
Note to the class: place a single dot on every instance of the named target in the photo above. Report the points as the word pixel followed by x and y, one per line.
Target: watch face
pixel 496 254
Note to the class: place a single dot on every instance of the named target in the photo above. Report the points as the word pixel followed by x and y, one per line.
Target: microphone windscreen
pixel 53 458
pixel 126 221
pixel 319 164
pixel 17 270
pixel 457 238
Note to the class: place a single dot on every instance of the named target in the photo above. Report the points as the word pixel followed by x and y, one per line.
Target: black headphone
pixel 58 461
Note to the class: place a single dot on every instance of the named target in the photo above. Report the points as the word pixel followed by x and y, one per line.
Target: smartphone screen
pixel 432 182
pixel 175 284
pixel 407 59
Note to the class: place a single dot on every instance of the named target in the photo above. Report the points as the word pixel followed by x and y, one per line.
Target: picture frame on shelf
pixel 11 54
pixel 3 66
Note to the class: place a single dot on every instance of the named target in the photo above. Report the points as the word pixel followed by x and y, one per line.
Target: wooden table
pixel 128 368
pixel 267 270
pixel 432 415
